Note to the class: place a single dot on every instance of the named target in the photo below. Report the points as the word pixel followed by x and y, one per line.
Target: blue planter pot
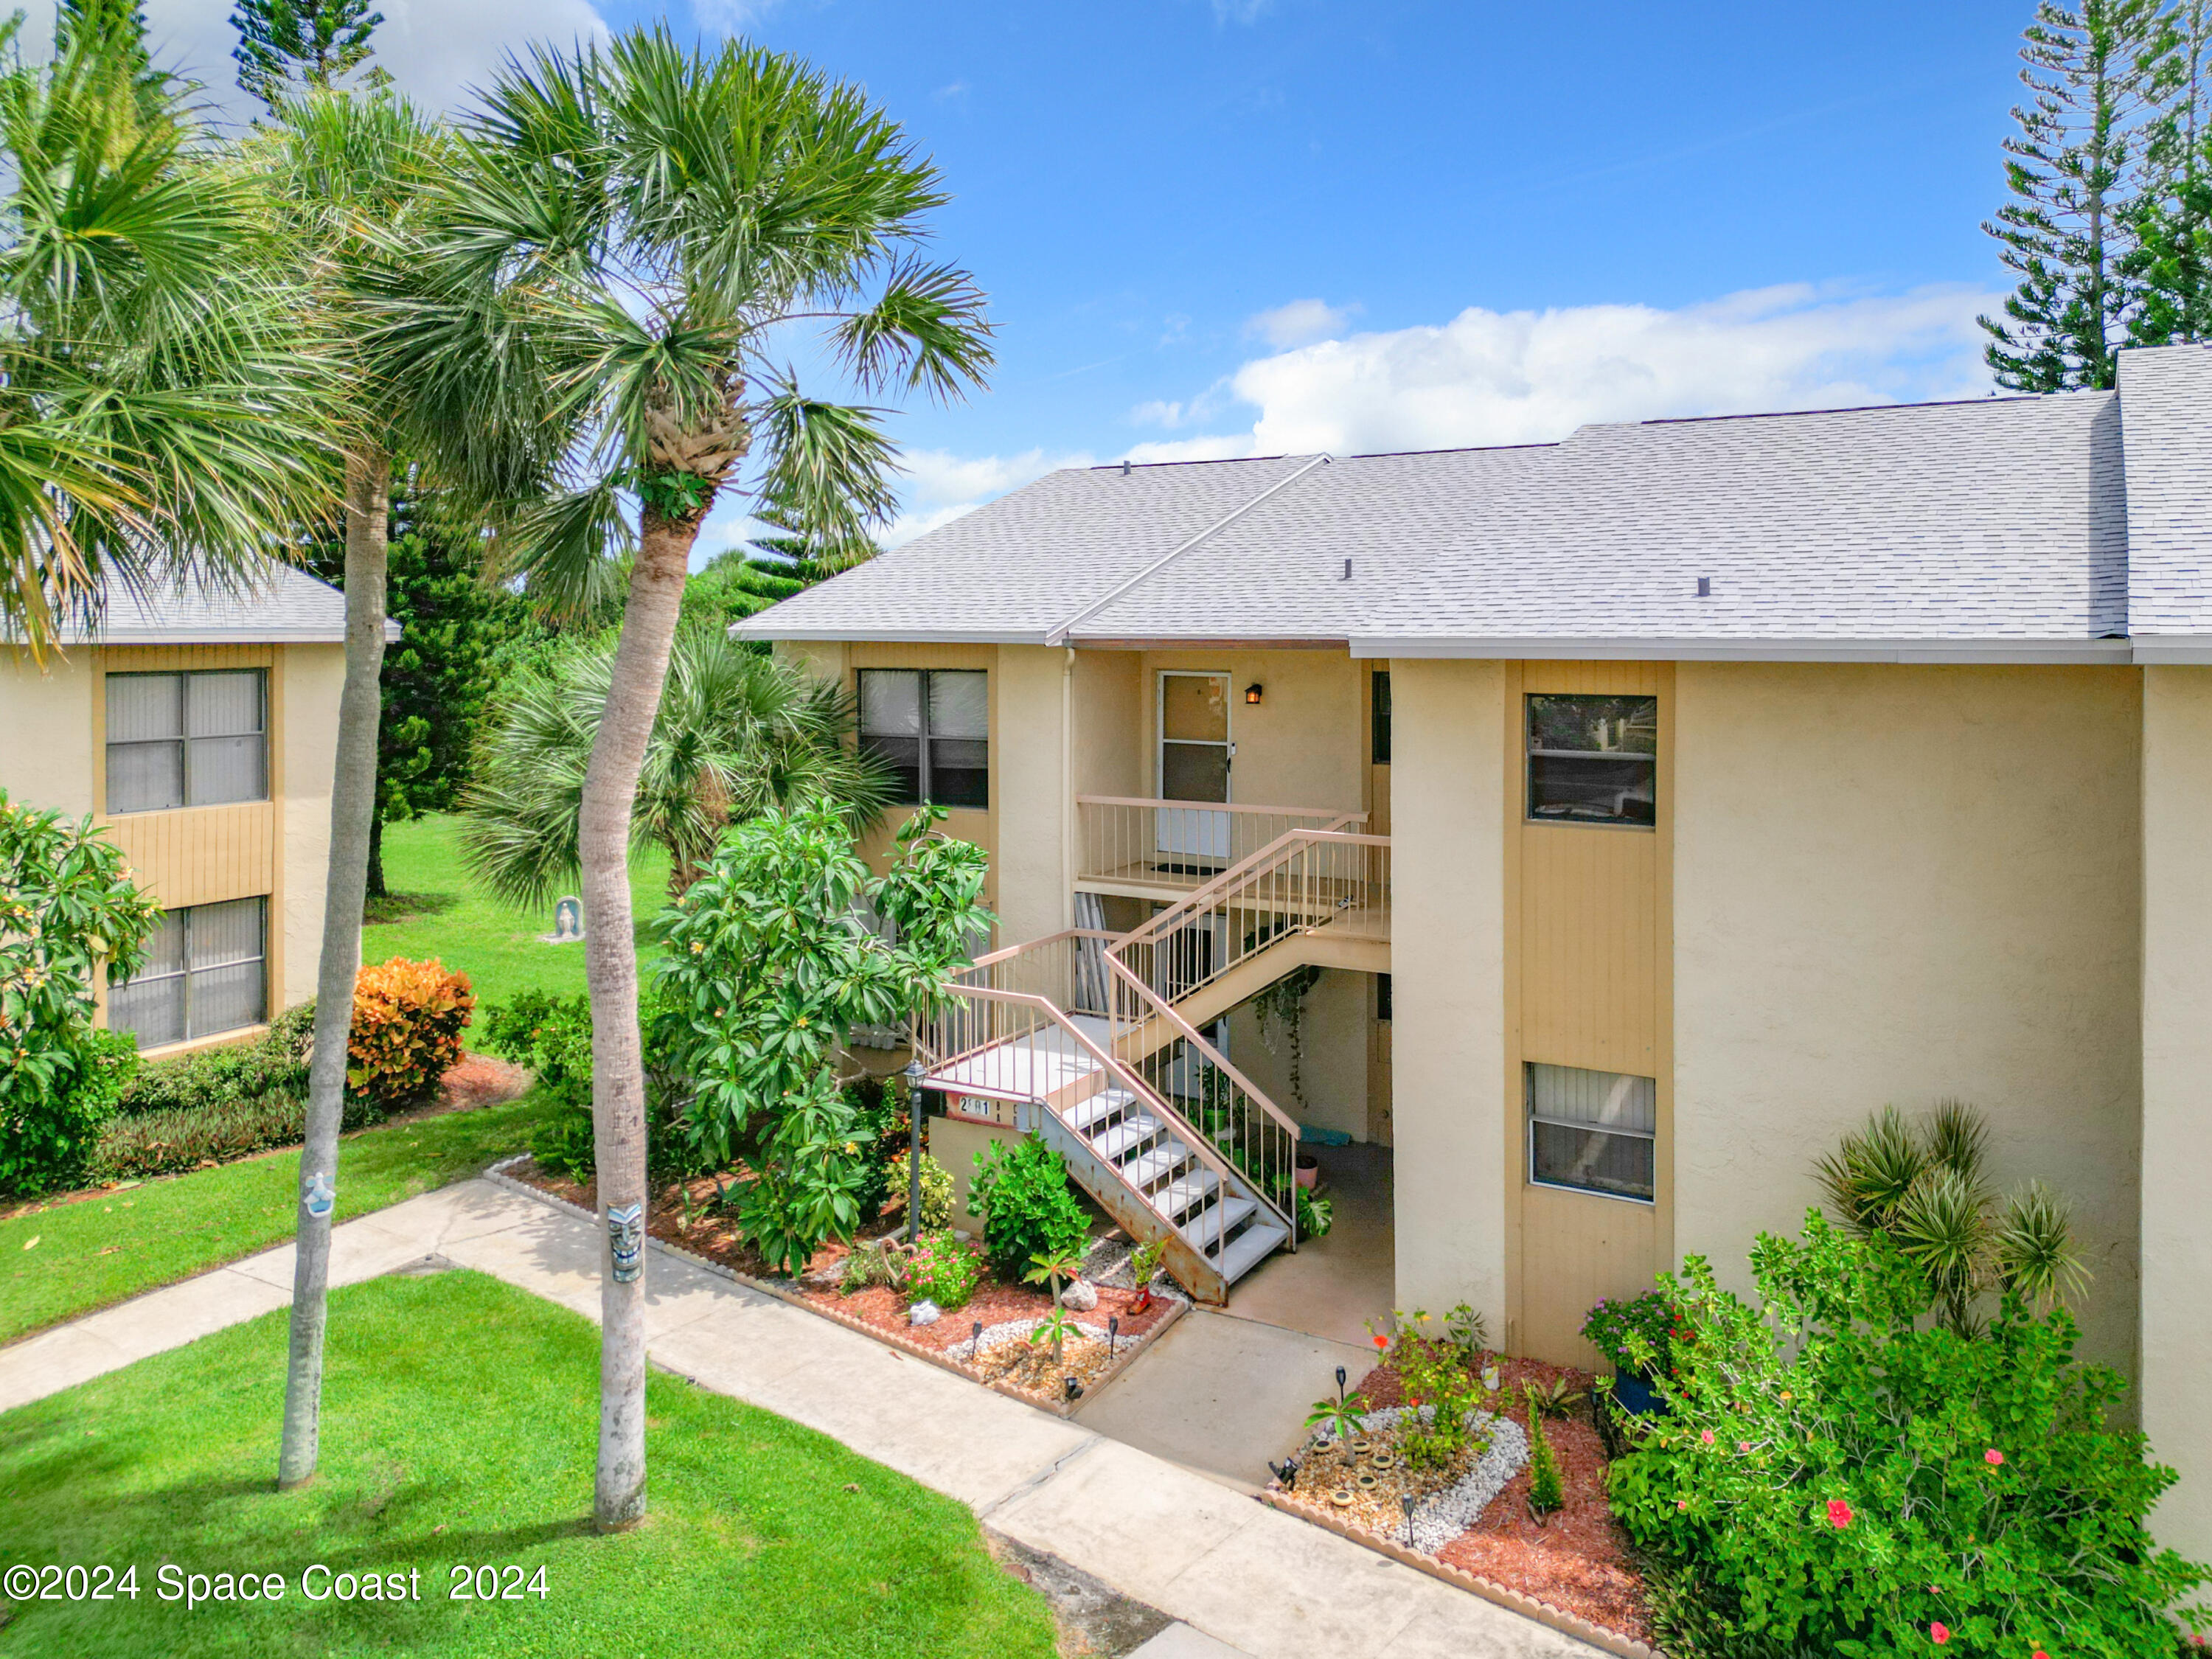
pixel 1633 1390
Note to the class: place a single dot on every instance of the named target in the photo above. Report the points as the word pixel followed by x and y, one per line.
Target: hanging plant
pixel 1284 1002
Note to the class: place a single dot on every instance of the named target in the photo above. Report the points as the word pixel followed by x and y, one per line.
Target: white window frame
pixel 1532 1117
pixel 185 973
pixel 183 740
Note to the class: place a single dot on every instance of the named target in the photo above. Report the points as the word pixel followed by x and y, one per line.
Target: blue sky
pixel 1228 227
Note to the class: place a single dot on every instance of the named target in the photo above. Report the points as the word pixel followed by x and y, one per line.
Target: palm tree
pixel 345 171
pixel 737 733
pixel 630 235
pixel 162 414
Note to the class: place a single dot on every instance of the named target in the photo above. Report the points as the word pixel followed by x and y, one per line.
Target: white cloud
pixel 1300 323
pixel 435 49
pixel 1528 377
pixel 940 486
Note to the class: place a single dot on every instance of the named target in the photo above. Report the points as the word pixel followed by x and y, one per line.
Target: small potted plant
pixel 1309 1171
pixel 1636 1333
pixel 1144 1266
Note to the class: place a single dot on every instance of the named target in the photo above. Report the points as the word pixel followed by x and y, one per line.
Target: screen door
pixel 1194 756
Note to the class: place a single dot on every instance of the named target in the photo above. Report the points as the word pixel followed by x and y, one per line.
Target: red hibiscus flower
pixel 1993 1457
pixel 1940 1631
pixel 1839 1513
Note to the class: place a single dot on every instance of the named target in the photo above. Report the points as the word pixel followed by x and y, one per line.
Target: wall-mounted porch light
pixel 1252 692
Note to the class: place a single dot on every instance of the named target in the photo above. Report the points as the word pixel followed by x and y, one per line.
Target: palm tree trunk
pixel 633 690
pixel 353 798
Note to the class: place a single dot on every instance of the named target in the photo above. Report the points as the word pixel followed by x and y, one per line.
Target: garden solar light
pixel 1113 1330
pixel 1340 1385
pixel 1073 1389
pixel 975 1345
pixel 1406 1498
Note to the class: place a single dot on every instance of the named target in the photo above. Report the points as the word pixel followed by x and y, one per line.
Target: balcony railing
pixel 1164 848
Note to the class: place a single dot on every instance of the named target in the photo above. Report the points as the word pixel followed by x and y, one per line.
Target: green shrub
pixel 1021 1192
pixel 936 1190
pixel 1840 1474
pixel 1614 1327
pixel 552 1035
pixel 807 1181
pixel 163 1143
pixel 275 1063
pixel 943 1269
pixel 67 913
pixel 1547 1490
pixel 881 1123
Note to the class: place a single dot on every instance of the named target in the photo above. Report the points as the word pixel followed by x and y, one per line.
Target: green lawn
pixel 102 1249
pixel 440 912
pixel 458 1428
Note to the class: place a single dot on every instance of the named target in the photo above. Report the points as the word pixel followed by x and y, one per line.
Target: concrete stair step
pixel 1131 1133
pixel 1156 1164
pixel 1248 1249
pixel 1216 1222
pixel 1186 1192
pixel 1105 1104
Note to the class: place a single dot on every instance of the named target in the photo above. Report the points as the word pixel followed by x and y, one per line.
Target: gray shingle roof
pixel 279 605
pixel 2167 407
pixel 2000 527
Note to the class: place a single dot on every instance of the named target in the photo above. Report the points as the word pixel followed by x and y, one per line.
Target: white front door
pixel 1194 765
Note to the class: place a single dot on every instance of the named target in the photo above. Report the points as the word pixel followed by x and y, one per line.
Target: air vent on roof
pixel 1704 588
pixel 1125 467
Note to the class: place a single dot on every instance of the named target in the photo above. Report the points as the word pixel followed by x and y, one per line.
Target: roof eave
pixel 2174 648
pixel 1681 649
pixel 747 630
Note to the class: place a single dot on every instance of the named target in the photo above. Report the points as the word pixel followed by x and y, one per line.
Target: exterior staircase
pixel 1030 1026
pixel 1094 1039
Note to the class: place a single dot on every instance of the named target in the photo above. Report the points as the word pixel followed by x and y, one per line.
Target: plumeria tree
pixel 773 956
pixel 629 243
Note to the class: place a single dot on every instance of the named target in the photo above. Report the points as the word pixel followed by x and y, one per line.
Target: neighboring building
pixel 199 729
pixel 1651 807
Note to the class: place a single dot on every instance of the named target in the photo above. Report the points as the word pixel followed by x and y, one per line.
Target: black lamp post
pixel 915 1073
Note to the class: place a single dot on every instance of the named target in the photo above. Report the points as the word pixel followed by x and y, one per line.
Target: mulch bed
pixel 683 1213
pixel 1579 1561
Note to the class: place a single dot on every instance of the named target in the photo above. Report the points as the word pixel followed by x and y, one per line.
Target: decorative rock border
pixel 1568 1623
pixel 1443 1516
pixel 782 1290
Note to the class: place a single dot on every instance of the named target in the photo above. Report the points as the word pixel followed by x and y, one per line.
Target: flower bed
pixel 1577 1560
pixel 685 1214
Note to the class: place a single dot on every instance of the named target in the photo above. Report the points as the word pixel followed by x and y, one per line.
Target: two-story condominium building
pixel 1637 813
pixel 198 728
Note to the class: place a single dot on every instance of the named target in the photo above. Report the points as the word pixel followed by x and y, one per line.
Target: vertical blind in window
pixel 195 740
pixel 206 972
pixel 1593 1130
pixel 931 727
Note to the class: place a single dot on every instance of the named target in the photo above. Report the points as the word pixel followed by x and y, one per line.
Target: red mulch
pixel 714 1235
pixel 1578 1561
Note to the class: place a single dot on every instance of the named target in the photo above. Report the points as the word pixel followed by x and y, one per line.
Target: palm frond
pixel 926 330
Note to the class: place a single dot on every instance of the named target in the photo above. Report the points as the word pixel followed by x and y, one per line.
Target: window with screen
pixel 192 739
pixel 206 972
pixel 1593 760
pixel 931 727
pixel 1594 1130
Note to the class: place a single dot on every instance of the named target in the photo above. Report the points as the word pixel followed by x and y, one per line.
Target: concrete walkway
pixel 1231 1570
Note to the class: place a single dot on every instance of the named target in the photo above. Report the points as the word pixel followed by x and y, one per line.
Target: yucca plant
pixel 1921 1186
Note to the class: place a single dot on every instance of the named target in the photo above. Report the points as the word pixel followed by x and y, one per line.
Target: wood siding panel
pixel 1590 964
pixel 201 854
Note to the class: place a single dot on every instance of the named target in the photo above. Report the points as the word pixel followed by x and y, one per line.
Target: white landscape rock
pixel 1080 1297
pixel 1439 1519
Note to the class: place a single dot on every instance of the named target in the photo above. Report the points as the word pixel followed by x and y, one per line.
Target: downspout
pixel 1067 790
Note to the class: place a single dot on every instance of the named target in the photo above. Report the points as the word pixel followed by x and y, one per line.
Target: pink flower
pixel 1940 1631
pixel 1743 1445
pixel 1993 1457
pixel 1707 1437
pixel 1682 1503
pixel 2039 1654
pixel 1839 1513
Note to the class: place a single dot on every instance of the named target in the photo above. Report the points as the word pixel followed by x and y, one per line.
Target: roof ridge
pixel 1059 635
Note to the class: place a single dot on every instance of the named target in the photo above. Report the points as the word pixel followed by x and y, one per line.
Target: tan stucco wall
pixel 305 687
pixel 1334 1071
pixel 1894 884
pixel 1304 745
pixel 1109 724
pixel 1448 975
pixel 955 1142
pixel 47 751
pixel 2177 1124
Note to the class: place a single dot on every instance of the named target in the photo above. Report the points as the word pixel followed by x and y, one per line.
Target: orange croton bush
pixel 407 1022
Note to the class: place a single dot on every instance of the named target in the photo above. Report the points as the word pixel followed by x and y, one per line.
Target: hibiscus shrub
pixel 1836 1476
pixel 407 1022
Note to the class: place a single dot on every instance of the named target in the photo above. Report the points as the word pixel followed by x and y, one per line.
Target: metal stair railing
pixel 1010 1028
pixel 1302 881
pixel 1128 838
